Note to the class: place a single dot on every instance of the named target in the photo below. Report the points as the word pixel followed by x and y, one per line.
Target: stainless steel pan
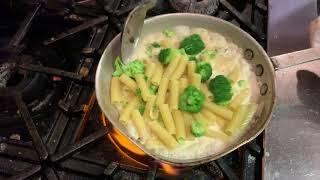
pixel 263 66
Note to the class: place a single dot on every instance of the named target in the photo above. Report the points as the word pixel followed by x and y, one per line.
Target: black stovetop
pixel 50 124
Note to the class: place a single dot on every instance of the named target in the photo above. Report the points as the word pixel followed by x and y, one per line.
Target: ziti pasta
pixel 187 95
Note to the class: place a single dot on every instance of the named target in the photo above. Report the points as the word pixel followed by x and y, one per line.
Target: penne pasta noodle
pixel 179 123
pixel 167 43
pixel 167 118
pixel 172 66
pixel 116 96
pixel 191 69
pixel 139 123
pixel 235 74
pixel 150 69
pixel 173 94
pixel 162 134
pixel 161 96
pixel 219 110
pixel 180 69
pixel 125 114
pixel 218 135
pixel 239 99
pixel 130 83
pixel 252 109
pixel 196 80
pixel 154 113
pixel 212 117
pixel 200 117
pixel 183 83
pixel 205 90
pixel 239 117
pixel 188 122
pixel 149 107
pixel 142 84
pixel 157 75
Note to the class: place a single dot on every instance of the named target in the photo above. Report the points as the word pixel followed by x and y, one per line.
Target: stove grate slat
pixel 37 141
pixel 75 147
pixel 64 141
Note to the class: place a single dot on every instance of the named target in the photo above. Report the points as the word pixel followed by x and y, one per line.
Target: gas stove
pixel 51 126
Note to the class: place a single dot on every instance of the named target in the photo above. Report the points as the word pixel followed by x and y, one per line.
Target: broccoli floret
pixel 169 32
pixel 167 54
pixel 192 44
pixel 191 100
pixel 119 67
pixel 205 70
pixel 133 68
pixel 181 140
pixel 142 107
pixel 193 58
pixel 208 55
pixel 138 92
pixel 153 89
pixel 241 83
pixel 155 44
pixel 197 128
pixel 151 47
pixel 221 89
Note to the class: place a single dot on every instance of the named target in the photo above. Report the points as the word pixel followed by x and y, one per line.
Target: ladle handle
pixel 295 58
pixel 132 28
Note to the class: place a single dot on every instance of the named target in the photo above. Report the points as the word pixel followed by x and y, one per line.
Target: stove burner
pixel 195 6
pixel 5 74
pixel 133 155
pixel 50 123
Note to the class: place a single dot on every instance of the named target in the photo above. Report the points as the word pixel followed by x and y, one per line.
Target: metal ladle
pixel 132 29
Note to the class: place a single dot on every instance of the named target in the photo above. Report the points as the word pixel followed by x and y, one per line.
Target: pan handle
pixel 295 58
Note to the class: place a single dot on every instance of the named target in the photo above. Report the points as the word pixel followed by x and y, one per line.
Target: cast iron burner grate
pixel 50 124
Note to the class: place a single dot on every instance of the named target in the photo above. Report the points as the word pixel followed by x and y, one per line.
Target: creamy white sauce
pixel 228 56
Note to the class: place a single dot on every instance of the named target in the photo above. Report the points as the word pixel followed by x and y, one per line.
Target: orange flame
pixel 122 140
pixel 170 169
pixel 126 143
pixel 118 139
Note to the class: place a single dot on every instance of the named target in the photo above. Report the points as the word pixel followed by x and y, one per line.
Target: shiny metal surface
pixel 296 58
pixel 258 59
pixel 292 140
pixel 133 27
pixel 292 148
pixel 288 24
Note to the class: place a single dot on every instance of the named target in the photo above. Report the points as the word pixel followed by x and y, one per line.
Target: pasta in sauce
pixel 151 107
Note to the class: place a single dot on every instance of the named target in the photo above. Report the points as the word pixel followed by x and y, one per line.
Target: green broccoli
pixel 169 32
pixel 119 67
pixel 181 140
pixel 138 92
pixel 197 128
pixel 167 54
pixel 141 108
pixel 153 89
pixel 133 68
pixel 192 44
pixel 155 44
pixel 205 70
pixel 241 83
pixel 208 55
pixel 193 58
pixel 191 100
pixel 221 89
pixel 151 47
